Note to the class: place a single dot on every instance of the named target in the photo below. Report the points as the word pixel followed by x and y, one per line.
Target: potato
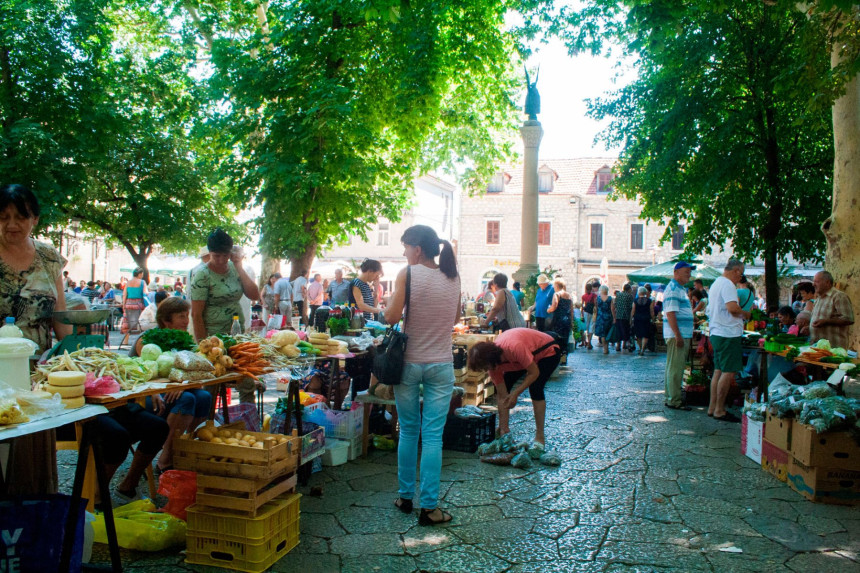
pixel 243 443
pixel 282 439
pixel 258 445
pixel 205 434
pixel 225 434
pixel 231 441
pixel 216 441
pixel 249 438
pixel 238 435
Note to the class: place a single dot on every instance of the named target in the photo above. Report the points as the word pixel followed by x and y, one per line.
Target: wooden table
pixel 89 440
pixel 762 384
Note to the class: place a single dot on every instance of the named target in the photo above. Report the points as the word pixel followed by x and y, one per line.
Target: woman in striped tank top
pixel 435 297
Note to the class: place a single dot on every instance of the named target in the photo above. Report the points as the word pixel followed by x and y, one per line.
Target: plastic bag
pixel 550 459
pixel 179 375
pixel 100 386
pixel 522 461
pixel 32 530
pixel 180 489
pixel 828 414
pixel 817 390
pixel 140 527
pixel 187 360
pixel 308 398
pixel 24 405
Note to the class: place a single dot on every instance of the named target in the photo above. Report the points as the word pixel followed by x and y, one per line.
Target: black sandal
pixel 425 519
pixel 404 505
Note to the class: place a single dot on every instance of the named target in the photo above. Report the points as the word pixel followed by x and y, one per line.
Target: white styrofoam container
pixel 336 453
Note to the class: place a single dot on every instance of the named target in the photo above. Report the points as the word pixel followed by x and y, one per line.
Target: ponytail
pixel 447 260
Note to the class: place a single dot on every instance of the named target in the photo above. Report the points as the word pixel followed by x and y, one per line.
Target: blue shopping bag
pixel 32 530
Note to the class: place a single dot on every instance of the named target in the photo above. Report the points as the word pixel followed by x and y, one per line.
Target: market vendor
pixel 183 409
pixel 31 289
pixel 832 314
pixel 801 324
pixel 786 317
pixel 516 353
pixel 215 292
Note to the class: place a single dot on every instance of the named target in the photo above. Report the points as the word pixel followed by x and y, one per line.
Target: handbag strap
pixel 406 302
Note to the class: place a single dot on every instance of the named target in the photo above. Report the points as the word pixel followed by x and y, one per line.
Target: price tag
pixel 840 414
pixel 792 400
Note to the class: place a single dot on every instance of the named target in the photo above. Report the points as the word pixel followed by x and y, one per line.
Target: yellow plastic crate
pixel 208 549
pixel 272 516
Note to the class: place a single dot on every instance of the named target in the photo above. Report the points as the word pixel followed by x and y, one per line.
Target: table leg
pixel 88 442
pixel 365 432
pixel 225 412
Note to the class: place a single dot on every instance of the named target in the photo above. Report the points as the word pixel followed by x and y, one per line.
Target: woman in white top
pixel 434 291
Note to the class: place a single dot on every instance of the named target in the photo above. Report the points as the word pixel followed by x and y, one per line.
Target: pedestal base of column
pixel 524 272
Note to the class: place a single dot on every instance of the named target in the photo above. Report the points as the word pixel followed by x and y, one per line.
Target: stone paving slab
pixel 641 489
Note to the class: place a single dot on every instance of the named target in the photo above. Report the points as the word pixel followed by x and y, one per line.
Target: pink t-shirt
pixel 519 345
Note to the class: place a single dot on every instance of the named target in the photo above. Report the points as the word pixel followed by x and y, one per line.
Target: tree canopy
pixel 325 111
pixel 718 132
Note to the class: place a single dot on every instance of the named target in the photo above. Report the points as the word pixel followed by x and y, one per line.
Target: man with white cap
pixel 543 298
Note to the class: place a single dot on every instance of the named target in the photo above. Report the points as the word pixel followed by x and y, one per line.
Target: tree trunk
pixel 269 267
pixel 842 228
pixel 771 280
pixel 302 263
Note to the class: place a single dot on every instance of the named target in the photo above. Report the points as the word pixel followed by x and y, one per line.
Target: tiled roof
pixel 574 176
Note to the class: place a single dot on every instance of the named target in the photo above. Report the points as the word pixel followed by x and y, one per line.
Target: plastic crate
pixel 466 434
pixel 341 425
pixel 251 557
pixel 273 516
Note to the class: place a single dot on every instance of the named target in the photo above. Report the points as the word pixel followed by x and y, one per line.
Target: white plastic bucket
pixel 15 361
pixel 336 453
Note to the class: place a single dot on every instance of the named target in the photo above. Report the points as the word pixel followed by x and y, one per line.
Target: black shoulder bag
pixel 390 354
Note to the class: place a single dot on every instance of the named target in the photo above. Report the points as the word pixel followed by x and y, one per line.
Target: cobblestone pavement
pixel 642 488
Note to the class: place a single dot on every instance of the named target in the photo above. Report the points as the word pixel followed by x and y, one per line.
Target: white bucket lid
pixel 17 347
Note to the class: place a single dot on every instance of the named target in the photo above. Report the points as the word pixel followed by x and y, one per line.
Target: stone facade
pixel 573 197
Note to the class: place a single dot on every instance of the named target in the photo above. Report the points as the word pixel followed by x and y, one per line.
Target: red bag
pixel 180 489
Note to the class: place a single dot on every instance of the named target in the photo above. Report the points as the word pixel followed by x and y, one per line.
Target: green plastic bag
pixel 140 527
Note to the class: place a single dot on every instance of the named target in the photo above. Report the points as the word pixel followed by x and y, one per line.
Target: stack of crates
pixel 246 514
pixel 477 385
pixel 241 543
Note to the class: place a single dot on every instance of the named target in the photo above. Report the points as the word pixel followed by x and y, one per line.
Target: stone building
pixel 581 232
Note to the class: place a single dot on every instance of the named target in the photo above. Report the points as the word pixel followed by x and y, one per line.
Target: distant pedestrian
pixel 518 295
pixel 623 310
pixel 605 317
pixel 300 290
pixel 562 312
pixel 543 298
pixel 643 317
pixel 589 303
pixel 316 293
pixel 678 332
pixel 338 289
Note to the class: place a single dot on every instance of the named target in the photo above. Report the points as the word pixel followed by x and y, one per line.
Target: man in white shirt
pixel 284 297
pixel 300 295
pixel 726 323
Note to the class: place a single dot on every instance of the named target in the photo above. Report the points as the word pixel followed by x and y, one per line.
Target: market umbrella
pixel 664 272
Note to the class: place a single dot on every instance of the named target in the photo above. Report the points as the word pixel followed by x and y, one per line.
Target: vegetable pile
pixel 248 359
pixel 213 349
pixel 128 372
pixel 169 339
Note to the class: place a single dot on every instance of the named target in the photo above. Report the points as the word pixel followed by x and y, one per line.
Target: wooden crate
pixel 473 399
pixel 237 461
pixel 239 494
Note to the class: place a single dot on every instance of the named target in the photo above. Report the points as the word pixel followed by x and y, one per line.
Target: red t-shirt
pixel 588 297
pixel 519 345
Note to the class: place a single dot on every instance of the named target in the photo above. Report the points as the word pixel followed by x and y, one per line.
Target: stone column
pixel 532 132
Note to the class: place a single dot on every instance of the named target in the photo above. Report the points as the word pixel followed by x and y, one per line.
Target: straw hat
pixel 542 279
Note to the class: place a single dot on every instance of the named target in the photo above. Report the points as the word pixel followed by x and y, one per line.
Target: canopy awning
pixel 664 272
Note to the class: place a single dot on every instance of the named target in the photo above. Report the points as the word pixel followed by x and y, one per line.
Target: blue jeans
pixel 438 381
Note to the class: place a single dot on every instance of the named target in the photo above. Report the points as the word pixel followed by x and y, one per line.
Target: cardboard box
pixel 828 450
pixel 774 460
pixel 825 485
pixel 777 431
pixel 752 434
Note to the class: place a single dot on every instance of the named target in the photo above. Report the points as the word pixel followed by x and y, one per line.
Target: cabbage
pixel 165 363
pixel 284 337
pixel 150 367
pixel 841 352
pixel 822 344
pixel 150 352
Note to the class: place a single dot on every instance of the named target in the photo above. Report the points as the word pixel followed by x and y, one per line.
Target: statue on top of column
pixel 532 107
